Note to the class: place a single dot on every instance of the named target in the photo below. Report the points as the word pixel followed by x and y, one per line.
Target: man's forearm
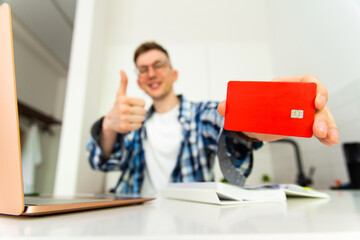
pixel 107 141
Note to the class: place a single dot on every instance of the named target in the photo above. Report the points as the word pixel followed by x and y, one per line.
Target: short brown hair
pixel 147 46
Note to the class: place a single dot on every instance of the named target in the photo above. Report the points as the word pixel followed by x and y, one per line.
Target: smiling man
pixel 177 140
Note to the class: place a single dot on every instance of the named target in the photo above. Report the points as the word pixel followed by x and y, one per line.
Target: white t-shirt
pixel 164 134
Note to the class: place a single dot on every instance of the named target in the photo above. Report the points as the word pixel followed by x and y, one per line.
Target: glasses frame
pixel 156 66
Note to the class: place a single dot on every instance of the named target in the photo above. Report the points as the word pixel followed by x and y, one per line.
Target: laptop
pixel 12 199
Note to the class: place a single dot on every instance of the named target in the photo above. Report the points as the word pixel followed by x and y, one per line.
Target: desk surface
pixel 337 218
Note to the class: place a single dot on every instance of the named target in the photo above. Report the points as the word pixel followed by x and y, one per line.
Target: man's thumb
pixel 123 84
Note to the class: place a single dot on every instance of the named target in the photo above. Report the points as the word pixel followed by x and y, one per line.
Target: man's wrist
pixel 107 139
pixel 246 137
pixel 108 134
pixel 98 132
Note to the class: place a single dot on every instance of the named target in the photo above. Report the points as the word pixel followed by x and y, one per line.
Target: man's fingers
pixel 221 108
pixel 333 132
pixel 325 128
pixel 121 93
pixel 321 99
pixel 320 127
pixel 131 101
pixel 127 127
pixel 321 91
pixel 123 84
pixel 137 111
pixel 132 119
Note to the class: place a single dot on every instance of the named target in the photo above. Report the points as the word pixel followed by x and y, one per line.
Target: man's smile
pixel 154 86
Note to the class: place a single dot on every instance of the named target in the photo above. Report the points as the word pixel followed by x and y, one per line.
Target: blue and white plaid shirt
pixel 201 126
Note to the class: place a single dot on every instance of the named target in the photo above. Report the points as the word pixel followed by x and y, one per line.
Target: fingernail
pixel 323 100
pixel 334 134
pixel 322 127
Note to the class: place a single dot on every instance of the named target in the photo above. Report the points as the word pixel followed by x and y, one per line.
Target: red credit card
pixel 279 108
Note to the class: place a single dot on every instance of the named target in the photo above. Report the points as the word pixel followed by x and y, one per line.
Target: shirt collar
pixel 184 112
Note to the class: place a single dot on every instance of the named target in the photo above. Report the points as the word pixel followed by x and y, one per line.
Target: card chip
pixel 297 113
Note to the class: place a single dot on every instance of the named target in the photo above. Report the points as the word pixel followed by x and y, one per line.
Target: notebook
pixel 292 190
pixel 227 194
pixel 12 200
pixel 220 193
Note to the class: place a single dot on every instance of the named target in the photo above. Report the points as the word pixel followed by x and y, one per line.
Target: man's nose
pixel 151 71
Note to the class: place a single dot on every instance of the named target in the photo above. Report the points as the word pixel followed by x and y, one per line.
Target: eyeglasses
pixel 157 66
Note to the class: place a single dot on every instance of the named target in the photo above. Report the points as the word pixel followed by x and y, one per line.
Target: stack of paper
pixel 226 194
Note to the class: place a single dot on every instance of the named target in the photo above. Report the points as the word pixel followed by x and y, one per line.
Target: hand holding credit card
pixel 324 126
pixel 278 108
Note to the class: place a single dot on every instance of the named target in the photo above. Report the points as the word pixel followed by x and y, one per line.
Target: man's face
pixel 156 77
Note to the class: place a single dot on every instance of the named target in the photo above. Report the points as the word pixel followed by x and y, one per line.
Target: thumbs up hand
pixel 127 114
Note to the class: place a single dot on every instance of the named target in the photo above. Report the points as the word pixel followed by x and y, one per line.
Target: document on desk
pixel 221 193
pixel 292 190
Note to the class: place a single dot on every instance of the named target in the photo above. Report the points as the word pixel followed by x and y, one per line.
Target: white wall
pixel 213 41
pixel 73 173
pixel 322 38
pixel 40 82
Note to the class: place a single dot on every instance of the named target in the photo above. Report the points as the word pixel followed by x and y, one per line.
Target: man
pixel 177 140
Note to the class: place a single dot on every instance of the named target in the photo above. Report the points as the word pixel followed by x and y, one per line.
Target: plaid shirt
pixel 201 126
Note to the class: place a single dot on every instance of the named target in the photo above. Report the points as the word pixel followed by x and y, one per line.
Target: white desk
pixel 338 218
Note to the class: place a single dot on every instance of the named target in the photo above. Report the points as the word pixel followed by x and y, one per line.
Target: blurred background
pixel 68 55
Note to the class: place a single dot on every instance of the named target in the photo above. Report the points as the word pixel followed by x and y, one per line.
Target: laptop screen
pixel 12 198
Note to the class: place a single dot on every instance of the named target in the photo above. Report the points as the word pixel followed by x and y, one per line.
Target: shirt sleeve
pixel 95 153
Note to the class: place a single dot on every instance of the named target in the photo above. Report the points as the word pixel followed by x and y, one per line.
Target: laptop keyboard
pixel 51 201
